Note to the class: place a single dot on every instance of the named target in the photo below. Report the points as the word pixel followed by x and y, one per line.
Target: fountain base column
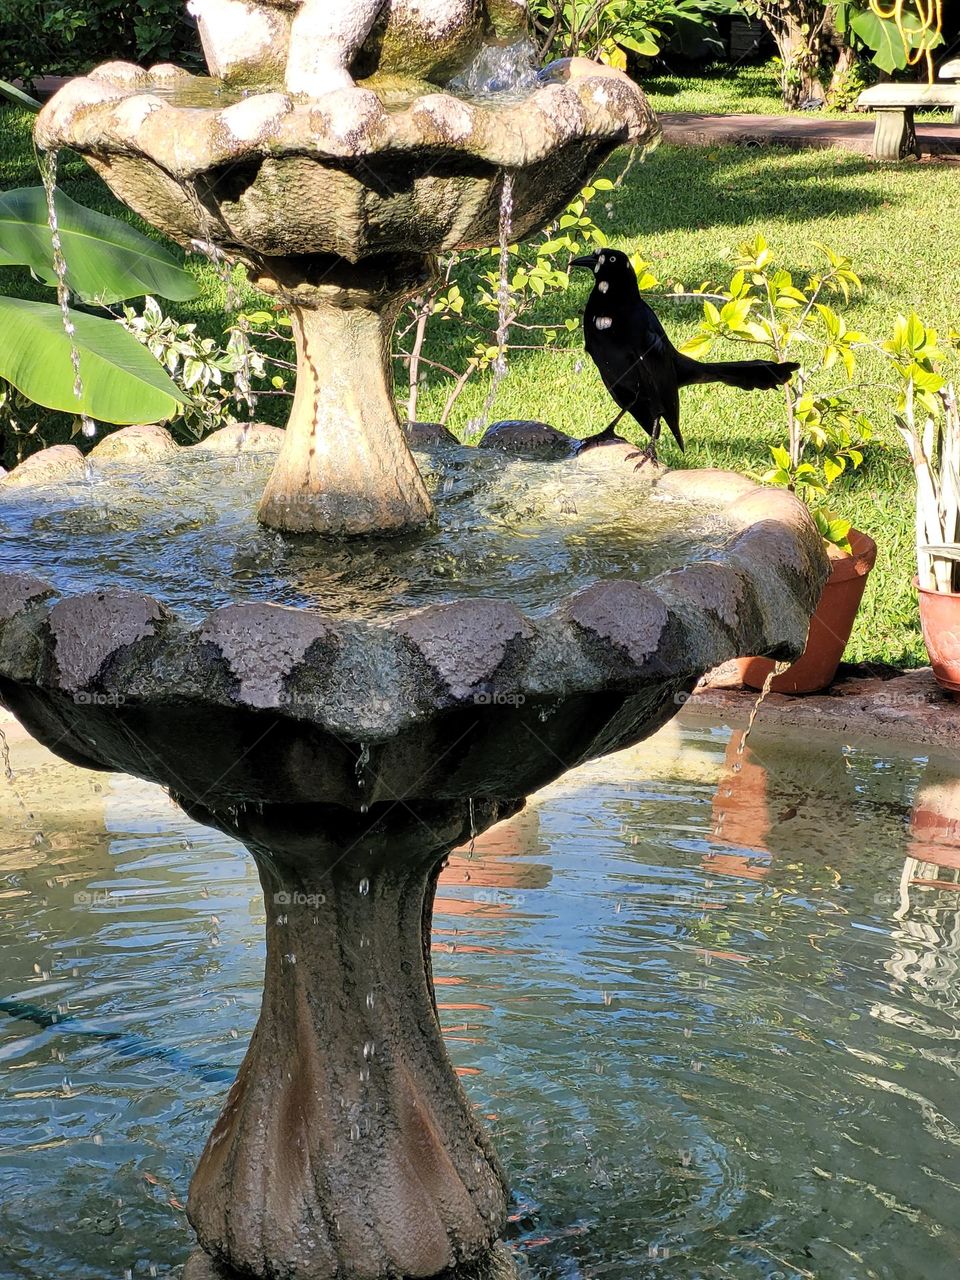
pixel 347 1149
pixel 345 468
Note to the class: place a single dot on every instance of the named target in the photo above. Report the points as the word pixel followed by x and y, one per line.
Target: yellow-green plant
pixel 796 319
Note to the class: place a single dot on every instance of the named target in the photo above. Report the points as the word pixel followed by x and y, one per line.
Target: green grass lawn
pixel 720 90
pixel 725 89
pixel 685 209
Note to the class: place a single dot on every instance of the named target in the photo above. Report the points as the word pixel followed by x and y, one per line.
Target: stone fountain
pixel 352 715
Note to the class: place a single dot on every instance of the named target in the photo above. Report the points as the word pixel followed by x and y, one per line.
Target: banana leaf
pixel 107 260
pixel 122 382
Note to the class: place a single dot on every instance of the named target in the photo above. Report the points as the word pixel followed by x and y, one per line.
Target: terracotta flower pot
pixel 830 626
pixel 940 620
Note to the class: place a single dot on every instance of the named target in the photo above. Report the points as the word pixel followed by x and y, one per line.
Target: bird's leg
pixel 603 437
pixel 649 454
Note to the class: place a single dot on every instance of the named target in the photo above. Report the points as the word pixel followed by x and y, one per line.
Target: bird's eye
pixel 613 257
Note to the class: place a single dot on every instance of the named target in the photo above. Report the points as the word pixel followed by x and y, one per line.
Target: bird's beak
pixel 589 262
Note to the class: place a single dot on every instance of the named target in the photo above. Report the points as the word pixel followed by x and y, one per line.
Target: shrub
pixel 67 37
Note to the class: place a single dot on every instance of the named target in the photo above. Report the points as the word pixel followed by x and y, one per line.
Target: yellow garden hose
pixel 930 14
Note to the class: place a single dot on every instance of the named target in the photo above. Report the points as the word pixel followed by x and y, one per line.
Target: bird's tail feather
pixel 748 375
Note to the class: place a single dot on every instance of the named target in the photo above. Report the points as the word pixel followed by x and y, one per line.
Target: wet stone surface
pixel 534 439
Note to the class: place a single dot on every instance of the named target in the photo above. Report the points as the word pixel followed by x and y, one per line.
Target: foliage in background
pixel 216 378
pixel 900 33
pixel 468 293
pixel 69 360
pixel 614 29
pixel 67 37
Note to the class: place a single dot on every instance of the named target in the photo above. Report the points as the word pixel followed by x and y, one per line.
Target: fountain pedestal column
pixel 347 1148
pixel 345 467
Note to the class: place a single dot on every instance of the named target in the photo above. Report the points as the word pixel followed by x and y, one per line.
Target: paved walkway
pixel 852 133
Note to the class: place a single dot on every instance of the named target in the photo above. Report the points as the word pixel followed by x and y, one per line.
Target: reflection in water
pixel 710 1018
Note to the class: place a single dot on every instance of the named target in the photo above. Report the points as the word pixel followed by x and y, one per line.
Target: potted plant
pixel 936 460
pixel 764 306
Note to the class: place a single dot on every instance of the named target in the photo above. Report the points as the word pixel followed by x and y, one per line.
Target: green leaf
pixel 107 260
pixel 697 346
pixel 10 91
pixel 883 38
pixel 122 382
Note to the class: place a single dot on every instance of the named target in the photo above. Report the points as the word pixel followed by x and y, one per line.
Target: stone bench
pixel 895 137
pixel 951 71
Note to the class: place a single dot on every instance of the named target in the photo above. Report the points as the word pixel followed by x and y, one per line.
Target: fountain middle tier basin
pixel 409 694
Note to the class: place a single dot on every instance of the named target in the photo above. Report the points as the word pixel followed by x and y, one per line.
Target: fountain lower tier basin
pixel 563 605
pixel 352 745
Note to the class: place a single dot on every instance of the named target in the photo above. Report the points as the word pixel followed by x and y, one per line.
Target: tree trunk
pixel 799 32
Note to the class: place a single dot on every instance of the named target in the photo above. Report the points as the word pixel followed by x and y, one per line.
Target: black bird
pixel 640 366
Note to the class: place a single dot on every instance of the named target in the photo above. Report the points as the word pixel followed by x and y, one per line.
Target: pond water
pixel 711 1017
pixel 185 532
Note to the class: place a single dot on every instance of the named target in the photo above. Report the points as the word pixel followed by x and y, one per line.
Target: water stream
pixel 504 307
pixel 48 173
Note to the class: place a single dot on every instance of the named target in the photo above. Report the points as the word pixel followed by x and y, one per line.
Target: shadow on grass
pixel 695 188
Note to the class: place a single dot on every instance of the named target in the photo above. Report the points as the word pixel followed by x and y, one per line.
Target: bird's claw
pixel 645 455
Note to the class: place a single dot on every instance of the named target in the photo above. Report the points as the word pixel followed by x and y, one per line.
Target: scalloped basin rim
pixel 116 111
pixel 368 681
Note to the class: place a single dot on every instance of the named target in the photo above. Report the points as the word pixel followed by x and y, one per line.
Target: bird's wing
pixel 635 360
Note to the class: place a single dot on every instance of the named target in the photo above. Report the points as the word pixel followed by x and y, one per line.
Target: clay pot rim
pixel 844 565
pixel 926 591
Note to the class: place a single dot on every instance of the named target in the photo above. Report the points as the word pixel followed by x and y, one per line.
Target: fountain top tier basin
pixel 349 175
pixel 564 606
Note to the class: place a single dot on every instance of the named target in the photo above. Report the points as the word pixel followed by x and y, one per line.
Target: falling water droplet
pixel 364 887
pixel 369 1049
pixel 370 999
